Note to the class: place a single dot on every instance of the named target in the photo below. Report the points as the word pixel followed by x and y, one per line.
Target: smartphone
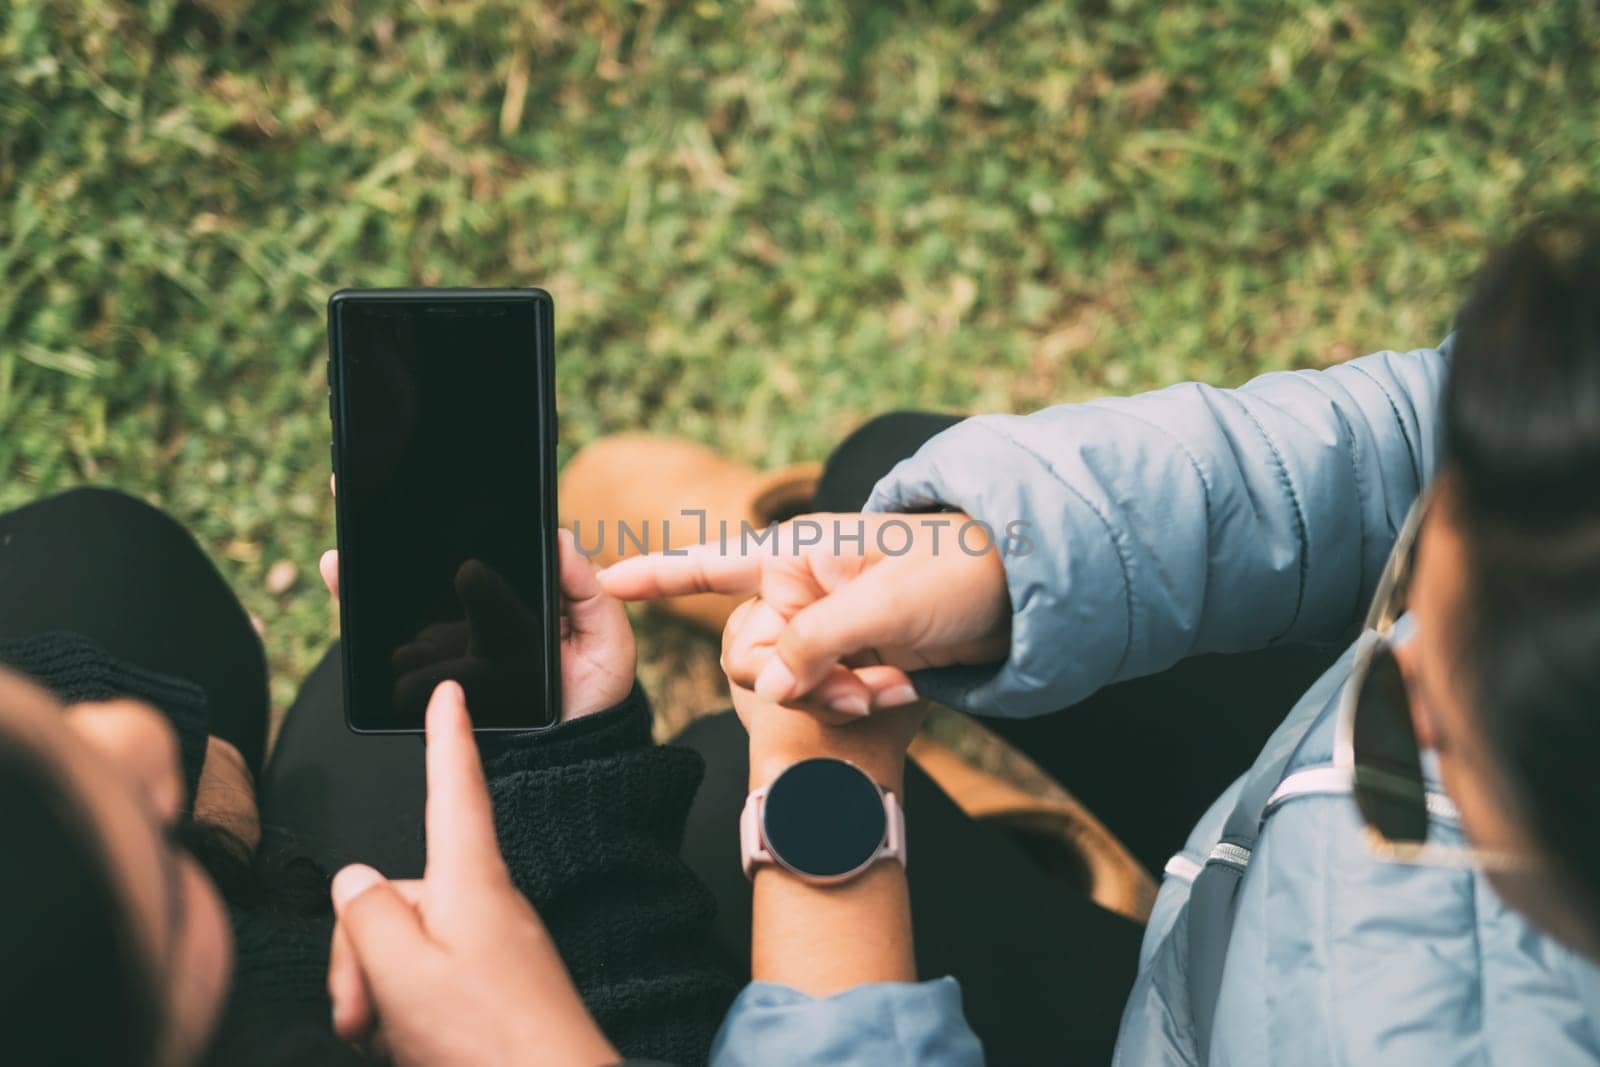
pixel 444 432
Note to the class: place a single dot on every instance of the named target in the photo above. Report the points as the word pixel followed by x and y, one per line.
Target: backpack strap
pixel 1214 893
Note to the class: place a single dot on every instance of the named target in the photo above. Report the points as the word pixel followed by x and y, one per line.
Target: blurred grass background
pixel 762 223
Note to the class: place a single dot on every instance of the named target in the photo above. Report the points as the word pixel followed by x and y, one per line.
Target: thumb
pixel 871 610
pixel 589 608
pixel 383 931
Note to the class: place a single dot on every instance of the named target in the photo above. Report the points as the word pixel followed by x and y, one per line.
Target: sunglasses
pixel 1376 739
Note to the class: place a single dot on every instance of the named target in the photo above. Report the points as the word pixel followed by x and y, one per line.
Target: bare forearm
pixel 822 940
pixel 825 939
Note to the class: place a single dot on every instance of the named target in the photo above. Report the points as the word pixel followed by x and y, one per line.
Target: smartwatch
pixel 822 819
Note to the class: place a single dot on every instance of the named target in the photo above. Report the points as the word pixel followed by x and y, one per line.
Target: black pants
pixel 113 569
pixel 1044 971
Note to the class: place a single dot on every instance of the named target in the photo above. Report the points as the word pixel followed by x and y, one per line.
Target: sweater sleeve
pixel 591 818
pixel 1187 520
pixel 76 669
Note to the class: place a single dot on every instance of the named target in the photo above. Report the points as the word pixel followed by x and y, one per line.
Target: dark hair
pixel 76 986
pixel 1522 441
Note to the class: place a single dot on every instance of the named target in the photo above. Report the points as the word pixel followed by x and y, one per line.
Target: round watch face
pixel 824 818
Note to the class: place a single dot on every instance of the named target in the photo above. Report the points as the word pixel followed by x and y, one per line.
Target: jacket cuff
pixel 1085 591
pixel 883 1022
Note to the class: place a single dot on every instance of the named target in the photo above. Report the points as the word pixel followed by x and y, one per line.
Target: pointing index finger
pixel 707 568
pixel 460 818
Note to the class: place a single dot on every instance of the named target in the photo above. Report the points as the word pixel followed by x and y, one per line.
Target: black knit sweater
pixel 590 816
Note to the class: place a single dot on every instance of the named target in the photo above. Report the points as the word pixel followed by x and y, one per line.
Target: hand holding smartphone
pixel 443 408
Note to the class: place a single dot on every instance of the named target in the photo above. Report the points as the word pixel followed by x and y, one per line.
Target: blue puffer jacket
pixel 1193 520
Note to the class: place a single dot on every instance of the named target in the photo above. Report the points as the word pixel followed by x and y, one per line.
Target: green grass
pixel 761 223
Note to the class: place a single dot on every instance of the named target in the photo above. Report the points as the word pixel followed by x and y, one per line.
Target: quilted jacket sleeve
pixel 866 1026
pixel 1187 520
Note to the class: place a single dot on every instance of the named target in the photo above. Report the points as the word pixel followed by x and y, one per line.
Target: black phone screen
pixel 443 418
